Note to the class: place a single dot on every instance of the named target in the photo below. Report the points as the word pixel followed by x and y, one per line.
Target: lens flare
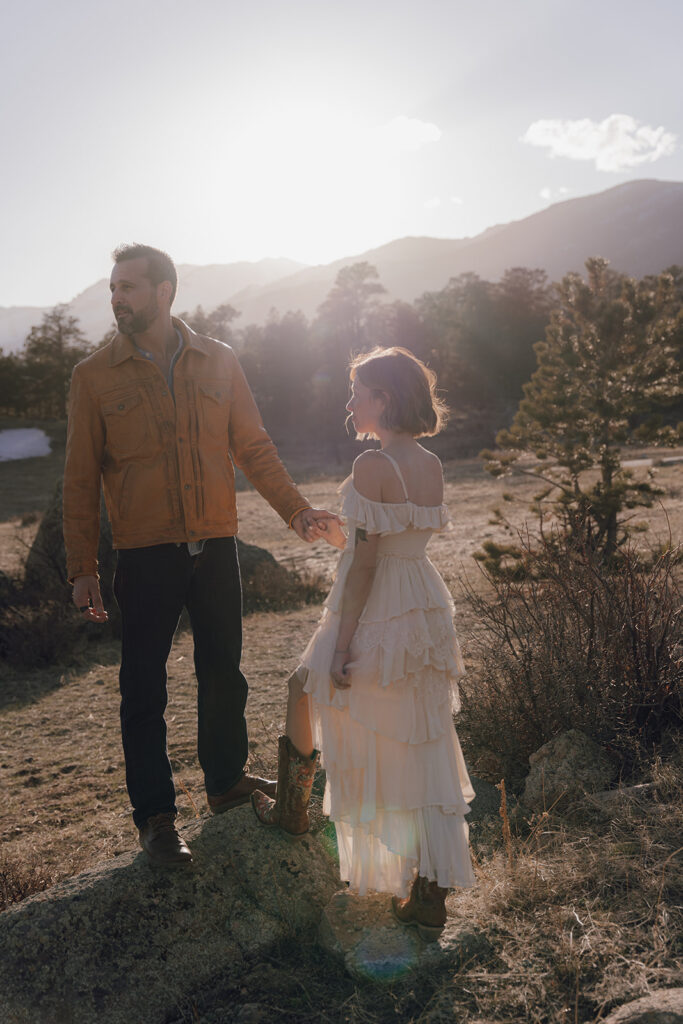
pixel 328 841
pixel 386 953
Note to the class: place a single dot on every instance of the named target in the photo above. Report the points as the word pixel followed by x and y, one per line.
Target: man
pixel 155 416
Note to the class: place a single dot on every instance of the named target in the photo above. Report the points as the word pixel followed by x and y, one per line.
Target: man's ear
pixel 165 292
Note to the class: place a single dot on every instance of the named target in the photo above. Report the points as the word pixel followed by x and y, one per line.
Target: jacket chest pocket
pixel 214 406
pixel 126 423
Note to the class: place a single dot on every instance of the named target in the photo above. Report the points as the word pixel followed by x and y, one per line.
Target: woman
pixel 376 686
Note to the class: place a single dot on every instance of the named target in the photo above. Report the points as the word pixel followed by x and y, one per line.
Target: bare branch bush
pixel 574 643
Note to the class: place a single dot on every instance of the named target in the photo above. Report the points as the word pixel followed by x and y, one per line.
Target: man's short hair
pixel 160 266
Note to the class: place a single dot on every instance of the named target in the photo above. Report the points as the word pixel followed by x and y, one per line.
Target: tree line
pixel 482 338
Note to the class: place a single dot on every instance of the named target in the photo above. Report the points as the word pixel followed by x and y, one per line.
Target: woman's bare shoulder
pixel 432 474
pixel 368 472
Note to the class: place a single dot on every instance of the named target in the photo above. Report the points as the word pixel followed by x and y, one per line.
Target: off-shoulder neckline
pixel 389 504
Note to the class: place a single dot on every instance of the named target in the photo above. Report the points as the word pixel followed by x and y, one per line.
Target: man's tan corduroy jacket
pixel 165 465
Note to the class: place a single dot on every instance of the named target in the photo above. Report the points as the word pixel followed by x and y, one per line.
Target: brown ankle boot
pixel 295 775
pixel 424 908
pixel 161 842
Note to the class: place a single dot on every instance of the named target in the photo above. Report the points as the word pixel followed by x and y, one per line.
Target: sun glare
pixel 305 179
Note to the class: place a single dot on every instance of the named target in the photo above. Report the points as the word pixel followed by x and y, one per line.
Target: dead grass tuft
pixel 282 590
pixel 37 633
pixel 20 877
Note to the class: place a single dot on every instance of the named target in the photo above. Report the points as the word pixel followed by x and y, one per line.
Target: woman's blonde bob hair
pixel 408 388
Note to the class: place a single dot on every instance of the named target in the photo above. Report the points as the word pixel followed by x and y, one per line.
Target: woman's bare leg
pixel 298 724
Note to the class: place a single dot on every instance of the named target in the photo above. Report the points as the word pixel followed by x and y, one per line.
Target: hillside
pixel 206 286
pixel 638 226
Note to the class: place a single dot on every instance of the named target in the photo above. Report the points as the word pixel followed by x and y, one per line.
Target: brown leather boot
pixel 425 908
pixel 240 793
pixel 162 844
pixel 295 774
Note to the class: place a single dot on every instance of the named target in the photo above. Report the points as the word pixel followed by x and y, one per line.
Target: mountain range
pixel 638 226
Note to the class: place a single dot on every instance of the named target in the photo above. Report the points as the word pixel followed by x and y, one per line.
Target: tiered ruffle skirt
pixel 397 785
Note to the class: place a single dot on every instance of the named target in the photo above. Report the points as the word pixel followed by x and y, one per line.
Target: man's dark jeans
pixel 152 585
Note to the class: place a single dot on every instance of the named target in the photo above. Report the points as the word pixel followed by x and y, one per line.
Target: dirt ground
pixel 61 767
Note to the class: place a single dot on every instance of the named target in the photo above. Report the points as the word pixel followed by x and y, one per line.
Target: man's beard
pixel 136 323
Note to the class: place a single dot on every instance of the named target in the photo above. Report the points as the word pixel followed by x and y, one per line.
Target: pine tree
pixel 343 318
pixel 608 375
pixel 50 353
pixel 346 324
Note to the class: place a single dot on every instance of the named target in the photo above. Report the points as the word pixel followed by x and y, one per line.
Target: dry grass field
pixel 582 911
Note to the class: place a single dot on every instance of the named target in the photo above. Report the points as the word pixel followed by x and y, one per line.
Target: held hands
pixel 333 533
pixel 341 677
pixel 312 523
pixel 87 598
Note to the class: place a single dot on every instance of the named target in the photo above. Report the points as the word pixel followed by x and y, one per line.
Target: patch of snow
pixel 23 443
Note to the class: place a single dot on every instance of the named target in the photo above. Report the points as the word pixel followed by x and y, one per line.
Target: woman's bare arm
pixel 361 572
pixel 358 585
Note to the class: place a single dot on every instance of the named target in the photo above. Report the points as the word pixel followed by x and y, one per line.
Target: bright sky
pixel 224 130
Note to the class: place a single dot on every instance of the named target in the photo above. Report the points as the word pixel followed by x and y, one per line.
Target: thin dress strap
pixel 399 474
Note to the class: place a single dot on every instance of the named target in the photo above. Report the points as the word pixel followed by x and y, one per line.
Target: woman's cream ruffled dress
pixel 397 786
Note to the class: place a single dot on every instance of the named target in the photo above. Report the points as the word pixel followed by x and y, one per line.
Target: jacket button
pixel 164 394
pixel 122 405
pixel 191 533
pixel 187 487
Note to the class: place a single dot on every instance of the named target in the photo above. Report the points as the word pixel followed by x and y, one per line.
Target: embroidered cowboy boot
pixel 295 776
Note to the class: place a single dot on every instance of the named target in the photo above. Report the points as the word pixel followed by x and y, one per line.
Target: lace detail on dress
pixel 407 645
pixel 417 640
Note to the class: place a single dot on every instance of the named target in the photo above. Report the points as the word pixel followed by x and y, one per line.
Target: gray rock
pixel 662 1007
pixel 7 586
pixel 362 931
pixel 46 561
pixel 251 1013
pixel 124 942
pixel 563 769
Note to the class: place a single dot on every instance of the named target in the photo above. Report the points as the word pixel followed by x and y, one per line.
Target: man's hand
pixel 88 600
pixel 310 523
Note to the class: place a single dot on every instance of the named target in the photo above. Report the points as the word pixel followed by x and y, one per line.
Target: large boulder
pixel 125 942
pixel 45 570
pixel 564 768
pixel 662 1007
pixel 267 585
pixel 362 931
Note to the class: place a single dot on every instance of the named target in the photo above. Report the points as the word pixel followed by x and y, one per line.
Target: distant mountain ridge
pixel 638 226
pixel 206 286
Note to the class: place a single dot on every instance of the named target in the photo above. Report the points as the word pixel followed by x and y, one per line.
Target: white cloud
pixel 407 134
pixel 616 143
pixel 554 193
pixel 432 204
pixel 457 200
